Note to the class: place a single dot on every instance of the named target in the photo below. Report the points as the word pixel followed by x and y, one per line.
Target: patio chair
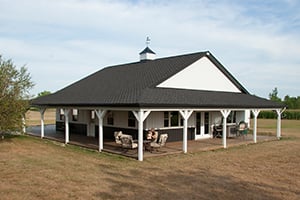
pixel 127 142
pixel 217 131
pixel 118 135
pixel 242 129
pixel 152 136
pixel 162 141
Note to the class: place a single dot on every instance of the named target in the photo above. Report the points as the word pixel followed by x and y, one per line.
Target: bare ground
pixel 32 168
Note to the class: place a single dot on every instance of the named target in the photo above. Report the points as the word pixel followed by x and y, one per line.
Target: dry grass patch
pixel 32 168
pixel 33 118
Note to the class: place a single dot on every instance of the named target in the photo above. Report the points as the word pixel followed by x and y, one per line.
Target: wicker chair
pixel 118 135
pixel 162 141
pixel 127 142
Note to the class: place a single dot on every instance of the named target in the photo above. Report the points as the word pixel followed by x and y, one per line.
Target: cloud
pixel 67 40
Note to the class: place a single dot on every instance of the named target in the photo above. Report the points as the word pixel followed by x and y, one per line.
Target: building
pixel 183 95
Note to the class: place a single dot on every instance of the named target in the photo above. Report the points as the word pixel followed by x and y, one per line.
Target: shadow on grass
pixel 8 137
pixel 199 184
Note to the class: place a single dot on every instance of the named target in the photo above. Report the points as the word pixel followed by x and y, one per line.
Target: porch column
pixel 186 115
pixel 140 116
pixel 42 112
pixel 255 113
pixel 225 114
pixel 100 114
pixel 279 112
pixel 66 113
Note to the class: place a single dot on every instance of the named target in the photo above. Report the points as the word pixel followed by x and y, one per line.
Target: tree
pixel 273 96
pixel 44 93
pixel 14 94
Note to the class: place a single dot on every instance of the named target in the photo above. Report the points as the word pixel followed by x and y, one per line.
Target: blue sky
pixel 62 41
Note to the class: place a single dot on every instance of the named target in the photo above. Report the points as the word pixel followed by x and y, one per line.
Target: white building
pixel 185 96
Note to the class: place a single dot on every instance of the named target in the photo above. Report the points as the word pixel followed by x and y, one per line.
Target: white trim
pixel 160 109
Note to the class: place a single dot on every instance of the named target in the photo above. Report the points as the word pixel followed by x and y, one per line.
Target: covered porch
pixel 141 116
pixel 170 148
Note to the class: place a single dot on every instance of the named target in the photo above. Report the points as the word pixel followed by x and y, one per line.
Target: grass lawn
pixel 32 168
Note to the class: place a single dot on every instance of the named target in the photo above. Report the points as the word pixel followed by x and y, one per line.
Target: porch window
pixel 75 114
pixel 110 118
pixel 61 115
pixel 131 119
pixel 172 119
pixel 166 119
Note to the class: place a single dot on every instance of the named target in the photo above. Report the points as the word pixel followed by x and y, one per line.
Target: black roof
pixel 147 50
pixel 134 85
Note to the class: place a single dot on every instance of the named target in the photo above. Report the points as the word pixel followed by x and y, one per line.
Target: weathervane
pixel 147 40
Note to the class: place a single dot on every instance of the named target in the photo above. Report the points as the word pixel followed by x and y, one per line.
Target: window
pixel 231 117
pixel 75 114
pixel 172 119
pixel 131 119
pixel 61 115
pixel 110 118
pixel 166 119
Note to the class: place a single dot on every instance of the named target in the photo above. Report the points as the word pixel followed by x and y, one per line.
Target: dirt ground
pixel 31 168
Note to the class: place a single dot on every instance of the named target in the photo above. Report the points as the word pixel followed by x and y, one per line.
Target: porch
pixel 170 148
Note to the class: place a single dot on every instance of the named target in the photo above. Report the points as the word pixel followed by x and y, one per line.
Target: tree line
pixel 290 102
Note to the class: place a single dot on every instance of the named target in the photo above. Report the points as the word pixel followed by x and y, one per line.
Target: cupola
pixel 147 53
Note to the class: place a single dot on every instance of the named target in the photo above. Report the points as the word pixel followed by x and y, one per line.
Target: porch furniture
pixel 162 141
pixel 231 130
pixel 127 142
pixel 242 129
pixel 217 131
pixel 146 145
pixel 118 135
pixel 152 136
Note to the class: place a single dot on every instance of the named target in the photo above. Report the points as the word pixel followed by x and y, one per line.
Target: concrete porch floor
pixel 170 148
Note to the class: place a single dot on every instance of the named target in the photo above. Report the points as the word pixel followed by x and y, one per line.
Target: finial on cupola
pixel 147 53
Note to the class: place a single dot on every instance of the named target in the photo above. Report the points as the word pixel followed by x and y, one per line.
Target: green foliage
pixel 292 102
pixel 287 114
pixel 14 88
pixel 273 96
pixel 44 93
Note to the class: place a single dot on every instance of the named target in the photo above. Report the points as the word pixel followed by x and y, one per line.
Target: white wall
pixel 201 75
pixel 154 120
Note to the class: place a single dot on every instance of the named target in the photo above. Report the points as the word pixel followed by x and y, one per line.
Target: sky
pixel 63 41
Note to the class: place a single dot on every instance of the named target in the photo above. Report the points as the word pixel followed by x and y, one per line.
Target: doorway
pixel 202 125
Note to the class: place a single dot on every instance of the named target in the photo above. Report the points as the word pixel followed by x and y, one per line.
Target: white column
pixel 66 113
pixel 279 112
pixel 100 114
pixel 42 112
pixel 255 113
pixel 140 116
pixel 186 115
pixel 23 125
pixel 225 114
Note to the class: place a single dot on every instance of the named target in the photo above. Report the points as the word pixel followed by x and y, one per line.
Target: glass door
pixel 202 125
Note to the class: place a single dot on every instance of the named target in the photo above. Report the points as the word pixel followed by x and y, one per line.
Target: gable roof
pixel 134 85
